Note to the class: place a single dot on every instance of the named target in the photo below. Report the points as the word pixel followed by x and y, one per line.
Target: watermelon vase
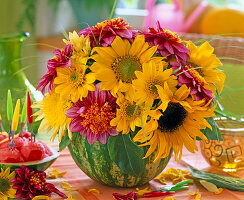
pixel 96 162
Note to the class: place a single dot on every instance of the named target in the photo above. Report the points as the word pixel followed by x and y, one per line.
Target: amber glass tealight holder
pixel 227 155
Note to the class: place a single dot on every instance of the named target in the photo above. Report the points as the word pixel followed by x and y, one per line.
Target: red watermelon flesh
pixel 24 150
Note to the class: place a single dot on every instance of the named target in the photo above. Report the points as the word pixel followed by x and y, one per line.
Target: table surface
pixel 77 179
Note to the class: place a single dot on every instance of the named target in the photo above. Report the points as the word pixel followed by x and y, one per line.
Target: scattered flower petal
pixel 66 186
pixel 41 197
pixel 129 196
pixel 192 194
pixel 220 191
pixel 55 174
pixel 143 191
pixel 198 196
pixel 94 191
pixel 169 198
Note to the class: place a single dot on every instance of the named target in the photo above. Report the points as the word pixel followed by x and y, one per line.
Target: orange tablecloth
pixel 76 178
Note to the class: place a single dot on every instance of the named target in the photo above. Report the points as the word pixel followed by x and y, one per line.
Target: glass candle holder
pixel 227 155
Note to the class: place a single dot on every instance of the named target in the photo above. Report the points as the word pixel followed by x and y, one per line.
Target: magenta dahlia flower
pixel 103 34
pixel 192 79
pixel 29 183
pixel 61 59
pixel 129 196
pixel 92 116
pixel 168 42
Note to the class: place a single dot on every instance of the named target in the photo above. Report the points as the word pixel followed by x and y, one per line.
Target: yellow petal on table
pixel 198 196
pixel 143 191
pixel 169 198
pixel 15 119
pixel 66 186
pixel 70 198
pixel 55 173
pixel 94 191
pixel 41 197
pixel 220 191
pixel 209 186
pixel 192 194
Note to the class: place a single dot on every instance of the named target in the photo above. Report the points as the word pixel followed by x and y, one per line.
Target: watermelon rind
pixel 94 160
pixel 41 165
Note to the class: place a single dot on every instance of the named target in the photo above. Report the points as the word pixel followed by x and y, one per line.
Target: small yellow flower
pixel 6 190
pixel 81 44
pixel 55 173
pixel 41 197
pixel 66 186
pixel 94 191
pixel 143 191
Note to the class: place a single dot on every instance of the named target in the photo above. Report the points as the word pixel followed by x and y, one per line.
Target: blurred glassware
pixel 12 75
pixel 227 155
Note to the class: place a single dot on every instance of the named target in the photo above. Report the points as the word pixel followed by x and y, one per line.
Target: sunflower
pixel 128 115
pixel 6 190
pixel 72 82
pixel 176 122
pixel 145 84
pixel 52 113
pixel 200 73
pixel 115 66
pixel 81 45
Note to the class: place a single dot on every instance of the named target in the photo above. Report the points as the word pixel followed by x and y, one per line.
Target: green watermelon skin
pixel 95 162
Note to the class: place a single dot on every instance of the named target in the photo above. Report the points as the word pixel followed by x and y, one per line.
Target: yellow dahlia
pixel 52 113
pixel 176 122
pixel 115 66
pixel 6 190
pixel 145 84
pixel 128 115
pixel 72 82
pixel 80 45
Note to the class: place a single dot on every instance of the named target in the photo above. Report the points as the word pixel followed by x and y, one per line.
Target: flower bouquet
pixel 123 100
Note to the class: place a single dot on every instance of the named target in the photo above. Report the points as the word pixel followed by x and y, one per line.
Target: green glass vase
pixel 12 76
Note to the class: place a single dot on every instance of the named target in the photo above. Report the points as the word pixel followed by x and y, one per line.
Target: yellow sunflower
pixel 128 115
pixel 145 84
pixel 115 66
pixel 52 113
pixel 205 64
pixel 72 82
pixel 6 190
pixel 81 45
pixel 176 122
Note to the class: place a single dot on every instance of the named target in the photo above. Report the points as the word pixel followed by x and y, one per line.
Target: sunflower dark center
pixel 4 185
pixel 172 118
pixel 125 66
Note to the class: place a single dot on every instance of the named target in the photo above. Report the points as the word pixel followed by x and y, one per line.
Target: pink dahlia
pixel 192 79
pixel 92 116
pixel 61 59
pixel 103 34
pixel 168 42
pixel 29 183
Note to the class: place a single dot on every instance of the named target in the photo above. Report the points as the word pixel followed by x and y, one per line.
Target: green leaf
pixel 126 154
pixel 24 112
pixel 65 141
pixel 9 106
pixel 228 182
pixel 213 134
